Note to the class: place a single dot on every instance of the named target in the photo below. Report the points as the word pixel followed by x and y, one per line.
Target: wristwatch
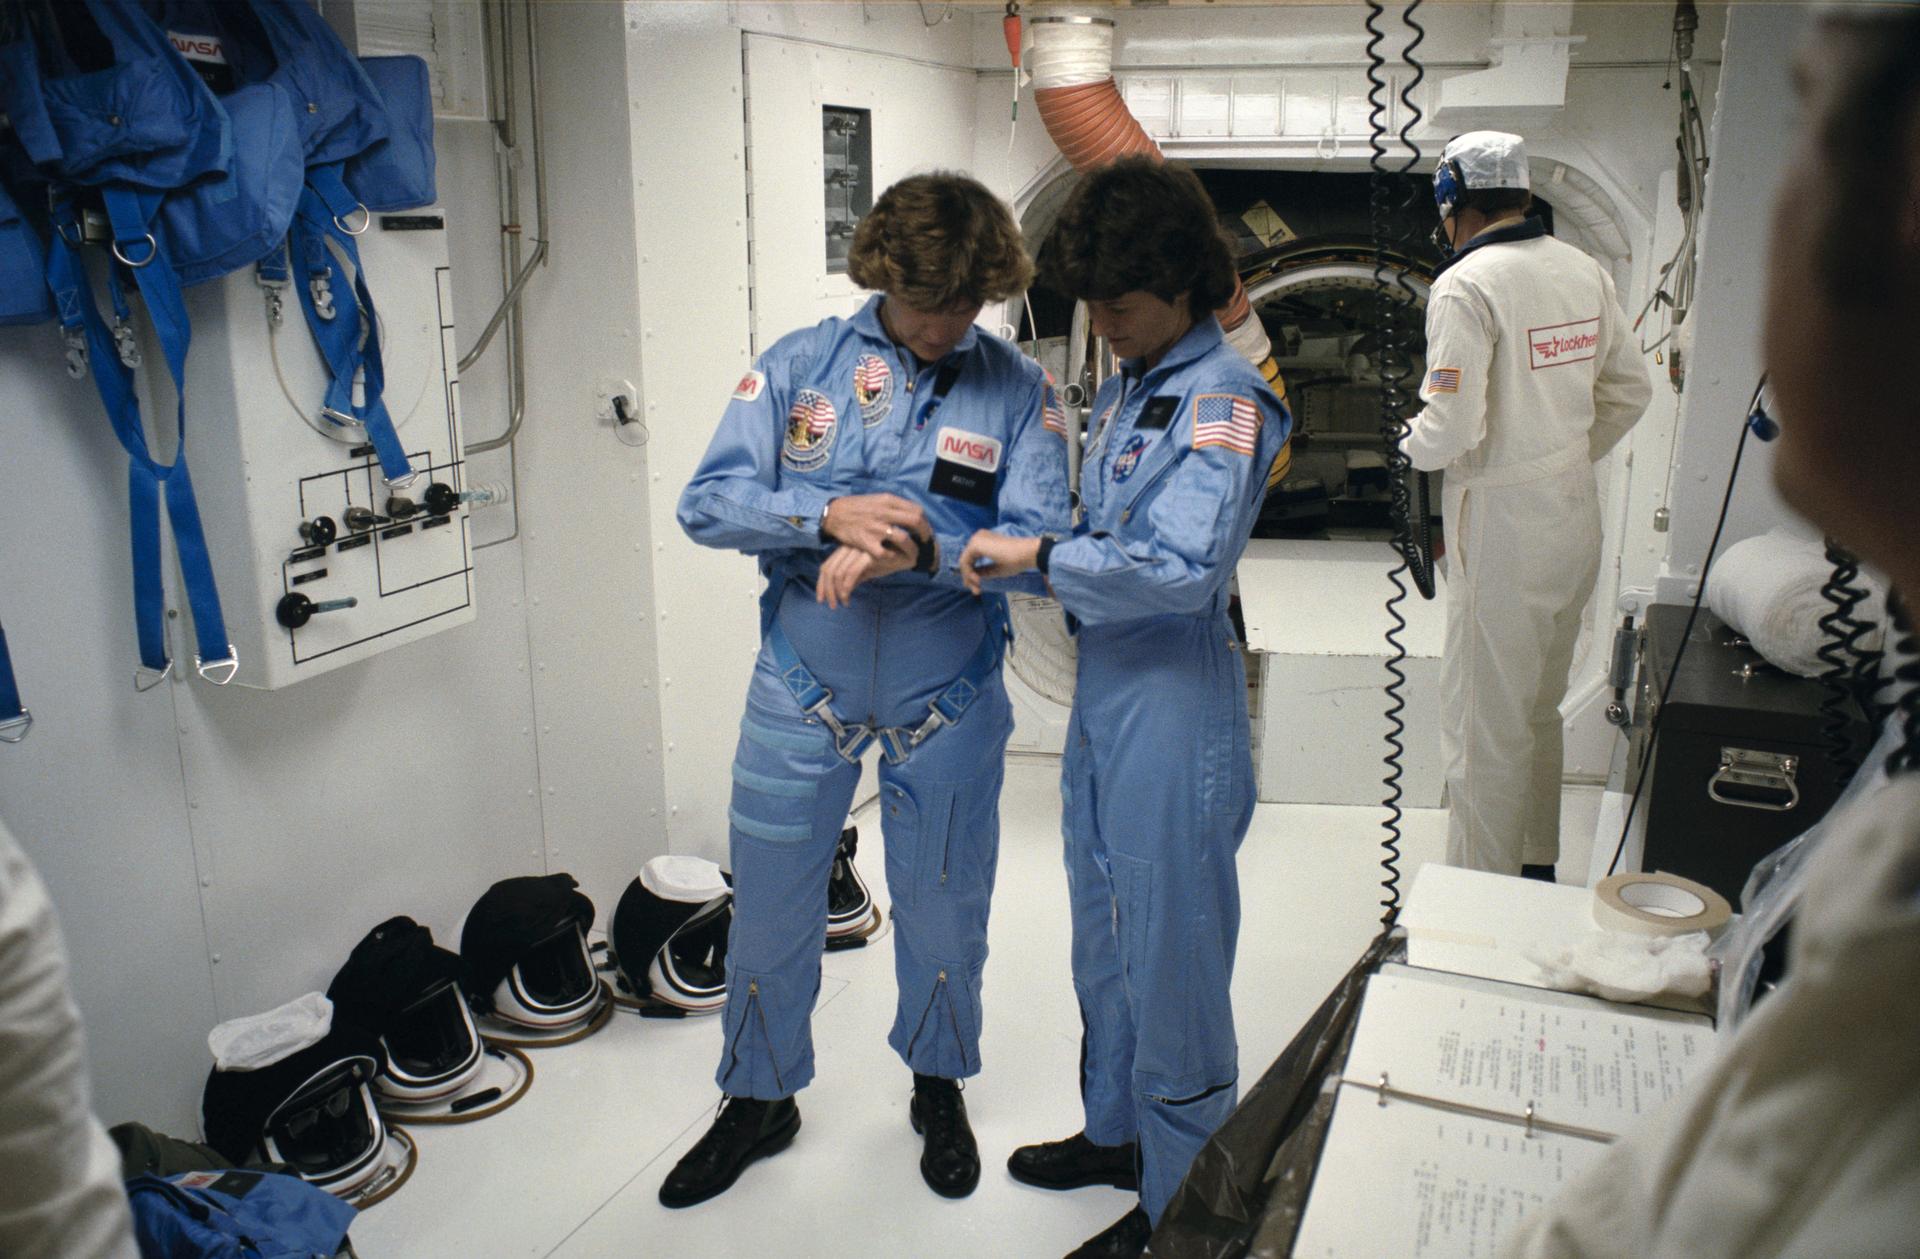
pixel 928 559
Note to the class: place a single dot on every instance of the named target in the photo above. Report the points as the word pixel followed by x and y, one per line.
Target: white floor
pixel 571 1172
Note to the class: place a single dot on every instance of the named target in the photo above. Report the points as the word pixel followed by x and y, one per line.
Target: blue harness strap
pixel 147 479
pixel 850 739
pixel 325 226
pixel 15 720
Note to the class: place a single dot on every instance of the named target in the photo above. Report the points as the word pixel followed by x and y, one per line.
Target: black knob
pixel 361 518
pixel 441 498
pixel 296 609
pixel 401 508
pixel 319 531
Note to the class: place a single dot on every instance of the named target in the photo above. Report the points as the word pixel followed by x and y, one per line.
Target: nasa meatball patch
pixel 966 466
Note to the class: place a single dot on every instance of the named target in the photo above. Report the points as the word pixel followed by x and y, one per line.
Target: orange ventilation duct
pixel 1088 119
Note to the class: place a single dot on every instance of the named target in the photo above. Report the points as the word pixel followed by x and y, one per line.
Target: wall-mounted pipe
pixel 511 229
pixel 1088 120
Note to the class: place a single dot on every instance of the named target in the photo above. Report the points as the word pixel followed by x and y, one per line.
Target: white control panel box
pixel 320 563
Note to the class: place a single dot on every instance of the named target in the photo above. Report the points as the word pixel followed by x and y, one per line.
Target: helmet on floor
pixel 525 944
pixel 406 990
pixel 670 933
pixel 312 1110
pixel 850 909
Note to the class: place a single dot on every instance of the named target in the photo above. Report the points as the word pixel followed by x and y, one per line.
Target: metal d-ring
pixel 225 668
pixel 366 220
pixel 14 729
pixel 153 251
pixel 145 679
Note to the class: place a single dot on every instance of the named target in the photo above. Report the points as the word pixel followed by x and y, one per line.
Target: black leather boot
pixel 1075 1163
pixel 745 1129
pixel 951 1162
pixel 1125 1238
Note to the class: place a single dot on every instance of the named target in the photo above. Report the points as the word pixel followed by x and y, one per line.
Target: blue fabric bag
pixel 97 95
pixel 398 173
pixel 236 1214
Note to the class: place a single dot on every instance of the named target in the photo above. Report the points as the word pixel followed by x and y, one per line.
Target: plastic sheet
pixel 1247 1187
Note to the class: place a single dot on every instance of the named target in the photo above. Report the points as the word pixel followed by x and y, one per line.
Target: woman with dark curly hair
pixel 854 460
pixel 1158 779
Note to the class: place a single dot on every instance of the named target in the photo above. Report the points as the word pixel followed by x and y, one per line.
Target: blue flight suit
pixel 978 441
pixel 1158 777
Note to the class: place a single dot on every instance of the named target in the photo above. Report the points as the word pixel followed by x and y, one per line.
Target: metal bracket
pixel 1757 780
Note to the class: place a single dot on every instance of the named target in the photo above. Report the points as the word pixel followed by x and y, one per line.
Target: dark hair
pixel 940 242
pixel 1495 202
pixel 1141 224
pixel 1874 184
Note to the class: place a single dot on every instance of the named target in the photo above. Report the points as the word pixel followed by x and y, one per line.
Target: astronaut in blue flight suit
pixel 855 460
pixel 1157 785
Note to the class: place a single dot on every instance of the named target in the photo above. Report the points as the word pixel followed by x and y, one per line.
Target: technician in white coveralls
pixel 1532 376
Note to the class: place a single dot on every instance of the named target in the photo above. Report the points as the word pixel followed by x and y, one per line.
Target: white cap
pixel 1489 159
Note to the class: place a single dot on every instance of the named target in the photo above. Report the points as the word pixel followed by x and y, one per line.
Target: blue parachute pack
pixel 236 1214
pixel 193 138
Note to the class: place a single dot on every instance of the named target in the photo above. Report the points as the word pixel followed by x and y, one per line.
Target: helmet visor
pixel 328 1127
pixel 433 1038
pixel 556 973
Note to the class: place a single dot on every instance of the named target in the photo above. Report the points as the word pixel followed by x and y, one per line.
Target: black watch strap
pixel 928 557
pixel 1044 556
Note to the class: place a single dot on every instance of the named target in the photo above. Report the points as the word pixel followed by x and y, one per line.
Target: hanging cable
pixel 1906 704
pixel 1393 308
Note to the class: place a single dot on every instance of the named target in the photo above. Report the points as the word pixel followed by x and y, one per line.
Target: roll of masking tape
pixel 1658 904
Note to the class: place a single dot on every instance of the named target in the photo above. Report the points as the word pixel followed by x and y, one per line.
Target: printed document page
pixel 1412 1179
pixel 1578 1060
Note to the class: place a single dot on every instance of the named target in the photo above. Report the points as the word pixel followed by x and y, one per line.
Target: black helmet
pixel 408 992
pixel 670 933
pixel 312 1110
pixel 525 944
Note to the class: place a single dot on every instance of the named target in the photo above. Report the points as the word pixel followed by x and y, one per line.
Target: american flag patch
pixel 870 375
pixel 1443 380
pixel 1052 414
pixel 1224 419
pixel 812 415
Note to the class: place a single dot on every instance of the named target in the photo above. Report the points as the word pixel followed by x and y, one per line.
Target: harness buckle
pixel 145 679
pixel 894 745
pixel 402 482
pixel 126 344
pixel 219 672
pixel 14 729
pixel 321 286
pixel 848 740
pixel 76 352
pixel 335 416
pixel 275 298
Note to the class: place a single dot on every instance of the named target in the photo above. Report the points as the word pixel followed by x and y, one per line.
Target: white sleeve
pixel 60 1194
pixel 1460 342
pixel 1621 389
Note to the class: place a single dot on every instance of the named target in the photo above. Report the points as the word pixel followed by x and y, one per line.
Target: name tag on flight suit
pixel 1157 414
pixel 965 466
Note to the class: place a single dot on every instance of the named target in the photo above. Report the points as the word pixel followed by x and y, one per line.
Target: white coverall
pixel 60 1191
pixel 1802 1141
pixel 1532 377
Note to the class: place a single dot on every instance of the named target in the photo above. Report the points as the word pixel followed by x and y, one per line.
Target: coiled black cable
pixel 1906 676
pixel 1393 305
pixel 1845 660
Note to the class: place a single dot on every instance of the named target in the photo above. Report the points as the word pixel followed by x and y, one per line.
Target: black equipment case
pixel 1741 764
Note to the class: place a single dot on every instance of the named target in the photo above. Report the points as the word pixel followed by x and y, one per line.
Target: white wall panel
pixel 95 793
pixel 1757 111
pixel 689 227
pixel 584 494
pixel 923 119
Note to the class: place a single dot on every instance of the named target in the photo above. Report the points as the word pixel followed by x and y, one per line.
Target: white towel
pixel 1768 588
